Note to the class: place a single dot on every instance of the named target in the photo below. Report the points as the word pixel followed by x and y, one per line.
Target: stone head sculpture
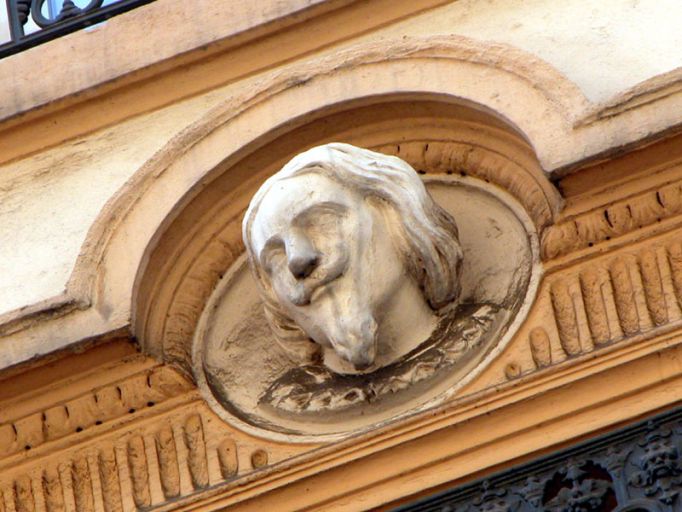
pixel 354 260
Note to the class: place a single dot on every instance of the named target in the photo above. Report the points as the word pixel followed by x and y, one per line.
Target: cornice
pixel 221 24
pixel 148 66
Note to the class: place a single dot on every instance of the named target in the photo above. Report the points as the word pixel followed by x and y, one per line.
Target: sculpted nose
pixel 301 266
pixel 302 258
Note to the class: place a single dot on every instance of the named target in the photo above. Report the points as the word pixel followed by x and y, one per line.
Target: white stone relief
pixel 365 300
pixel 354 260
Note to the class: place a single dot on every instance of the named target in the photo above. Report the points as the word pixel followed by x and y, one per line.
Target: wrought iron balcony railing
pixel 33 22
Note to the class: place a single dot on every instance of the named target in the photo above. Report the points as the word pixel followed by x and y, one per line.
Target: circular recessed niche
pixel 251 383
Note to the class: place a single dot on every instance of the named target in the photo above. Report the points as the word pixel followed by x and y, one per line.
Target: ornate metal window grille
pixel 69 19
pixel 635 469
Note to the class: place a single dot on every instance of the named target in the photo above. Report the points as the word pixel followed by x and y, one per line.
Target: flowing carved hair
pixel 428 235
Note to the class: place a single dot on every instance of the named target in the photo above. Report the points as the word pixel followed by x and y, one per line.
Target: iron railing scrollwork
pixel 636 469
pixel 69 10
pixel 70 18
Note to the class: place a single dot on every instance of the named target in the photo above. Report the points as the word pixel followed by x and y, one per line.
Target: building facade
pixel 130 151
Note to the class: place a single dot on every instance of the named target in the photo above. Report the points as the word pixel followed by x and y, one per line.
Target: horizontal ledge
pixel 141 40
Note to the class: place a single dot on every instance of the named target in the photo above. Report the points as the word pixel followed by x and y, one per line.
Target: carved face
pixel 331 261
pixel 350 251
pixel 660 459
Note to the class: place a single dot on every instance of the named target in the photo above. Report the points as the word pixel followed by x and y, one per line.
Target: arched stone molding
pixel 201 244
pixel 514 92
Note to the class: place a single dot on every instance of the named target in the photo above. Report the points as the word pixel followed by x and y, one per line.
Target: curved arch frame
pixel 515 87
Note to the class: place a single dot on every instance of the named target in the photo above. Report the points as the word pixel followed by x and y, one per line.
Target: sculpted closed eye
pixel 322 216
pixel 324 227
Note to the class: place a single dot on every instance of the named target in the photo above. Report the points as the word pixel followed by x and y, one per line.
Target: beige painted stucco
pixel 604 47
pixel 49 201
